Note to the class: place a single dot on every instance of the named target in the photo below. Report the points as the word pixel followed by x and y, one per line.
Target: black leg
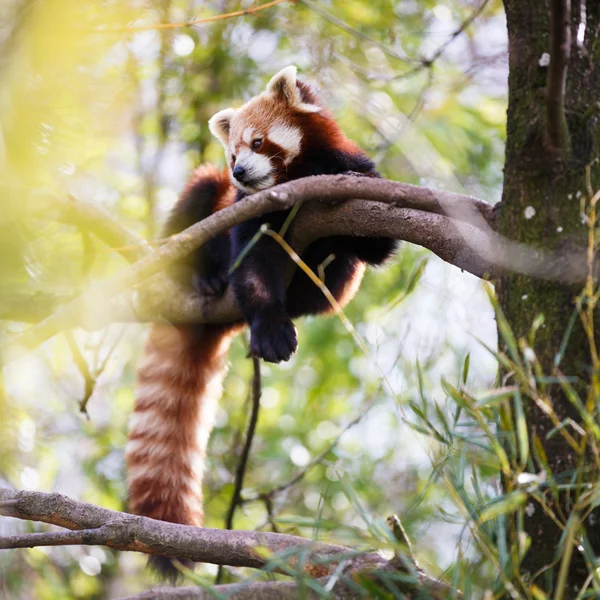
pixel 259 287
pixel 374 251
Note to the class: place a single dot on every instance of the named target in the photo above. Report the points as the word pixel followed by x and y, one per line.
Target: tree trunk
pixel 543 201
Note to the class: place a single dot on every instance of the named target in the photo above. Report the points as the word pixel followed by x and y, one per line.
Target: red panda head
pixel 266 136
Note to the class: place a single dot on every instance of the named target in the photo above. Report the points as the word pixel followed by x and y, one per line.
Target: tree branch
pixel 96 307
pixel 252 422
pixel 122 531
pixel 456 228
pixel 92 218
pixel 272 590
pixel 195 22
pixel 560 51
pixel 93 525
pixel 269 495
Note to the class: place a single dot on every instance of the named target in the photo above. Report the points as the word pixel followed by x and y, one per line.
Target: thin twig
pixel 319 458
pixel 89 380
pixel 560 51
pixel 352 31
pixel 423 63
pixel 458 31
pixel 252 422
pixel 240 472
pixel 238 13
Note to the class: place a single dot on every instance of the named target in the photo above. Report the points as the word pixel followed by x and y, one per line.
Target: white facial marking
pixel 258 168
pixel 289 138
pixel 247 135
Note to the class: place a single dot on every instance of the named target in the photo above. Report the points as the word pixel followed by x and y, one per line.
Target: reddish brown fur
pixel 179 384
pixel 319 130
pixel 224 189
pixel 350 288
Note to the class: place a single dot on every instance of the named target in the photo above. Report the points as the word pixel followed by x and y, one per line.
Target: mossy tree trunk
pixel 545 195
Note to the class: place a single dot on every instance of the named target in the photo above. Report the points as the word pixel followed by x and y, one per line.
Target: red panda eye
pixel 233 158
pixel 256 144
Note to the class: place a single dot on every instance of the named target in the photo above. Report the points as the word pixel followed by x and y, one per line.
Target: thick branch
pixel 123 531
pixel 455 227
pixel 94 525
pixel 560 50
pixel 95 304
pixel 272 590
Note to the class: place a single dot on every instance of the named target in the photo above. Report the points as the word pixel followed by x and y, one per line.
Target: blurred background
pixel 101 105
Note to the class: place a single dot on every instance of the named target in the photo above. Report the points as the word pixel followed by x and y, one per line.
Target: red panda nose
pixel 239 173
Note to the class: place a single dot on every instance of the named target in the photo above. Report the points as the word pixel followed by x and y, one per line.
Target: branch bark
pixel 93 525
pixel 286 554
pixel 272 590
pixel 456 228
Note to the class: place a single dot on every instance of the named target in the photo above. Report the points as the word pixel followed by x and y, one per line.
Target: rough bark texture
pixel 337 566
pixel 551 182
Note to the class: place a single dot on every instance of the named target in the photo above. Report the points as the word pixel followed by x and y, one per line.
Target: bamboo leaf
pixel 507 504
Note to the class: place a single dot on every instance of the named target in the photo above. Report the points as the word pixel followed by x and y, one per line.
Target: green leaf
pixel 506 505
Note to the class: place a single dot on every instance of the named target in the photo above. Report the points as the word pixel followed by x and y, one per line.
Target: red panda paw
pixel 273 337
pixel 211 284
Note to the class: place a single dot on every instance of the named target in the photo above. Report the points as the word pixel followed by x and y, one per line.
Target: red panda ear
pixel 283 87
pixel 220 125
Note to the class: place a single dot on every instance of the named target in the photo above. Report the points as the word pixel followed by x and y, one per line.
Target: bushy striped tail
pixel 179 383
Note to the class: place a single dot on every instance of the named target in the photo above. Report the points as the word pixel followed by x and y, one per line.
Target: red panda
pixel 283 134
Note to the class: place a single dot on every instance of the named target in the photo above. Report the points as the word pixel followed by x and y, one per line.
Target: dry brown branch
pixel 92 525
